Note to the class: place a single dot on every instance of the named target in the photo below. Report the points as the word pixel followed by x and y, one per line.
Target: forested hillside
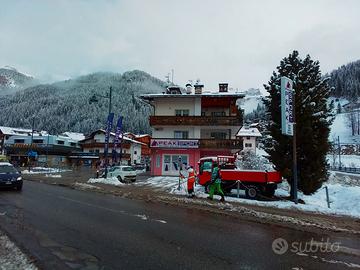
pixel 64 106
pixel 346 81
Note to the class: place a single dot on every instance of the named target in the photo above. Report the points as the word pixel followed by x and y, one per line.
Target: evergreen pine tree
pixel 313 119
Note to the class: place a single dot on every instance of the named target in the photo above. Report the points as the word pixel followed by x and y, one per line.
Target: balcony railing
pixel 220 144
pixel 195 120
pixel 196 143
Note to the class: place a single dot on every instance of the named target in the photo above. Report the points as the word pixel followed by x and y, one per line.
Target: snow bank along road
pixel 70 229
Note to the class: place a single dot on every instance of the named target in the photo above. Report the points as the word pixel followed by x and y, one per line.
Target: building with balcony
pixel 51 150
pixel 192 125
pixel 130 149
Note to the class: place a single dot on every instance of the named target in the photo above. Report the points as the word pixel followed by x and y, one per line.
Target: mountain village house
pixel 192 125
pixel 249 136
pixel 130 148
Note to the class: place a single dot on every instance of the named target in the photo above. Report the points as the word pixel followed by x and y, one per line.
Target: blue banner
pixel 117 138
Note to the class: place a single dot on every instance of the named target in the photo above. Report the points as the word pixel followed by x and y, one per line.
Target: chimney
pixel 198 89
pixel 188 87
pixel 223 87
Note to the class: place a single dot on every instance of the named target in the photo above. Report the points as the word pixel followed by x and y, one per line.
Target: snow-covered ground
pixel 11 257
pixel 345 199
pixel 109 181
pixel 341 128
pixel 346 160
pixel 38 170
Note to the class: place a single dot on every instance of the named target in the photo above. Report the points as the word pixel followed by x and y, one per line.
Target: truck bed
pixel 250 176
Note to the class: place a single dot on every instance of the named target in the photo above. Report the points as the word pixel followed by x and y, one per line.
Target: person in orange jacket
pixel 190 181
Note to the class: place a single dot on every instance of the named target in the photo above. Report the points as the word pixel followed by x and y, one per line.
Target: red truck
pixel 255 183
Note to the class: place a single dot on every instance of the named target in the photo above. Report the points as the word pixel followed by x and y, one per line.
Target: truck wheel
pixel 252 192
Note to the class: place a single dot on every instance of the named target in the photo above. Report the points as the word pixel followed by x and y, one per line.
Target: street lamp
pixel 94 99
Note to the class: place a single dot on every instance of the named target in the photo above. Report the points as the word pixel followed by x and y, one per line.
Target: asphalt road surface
pixel 69 229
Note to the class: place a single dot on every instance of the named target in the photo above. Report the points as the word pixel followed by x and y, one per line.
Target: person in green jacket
pixel 216 183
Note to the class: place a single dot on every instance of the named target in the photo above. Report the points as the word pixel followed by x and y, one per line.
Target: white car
pixel 123 173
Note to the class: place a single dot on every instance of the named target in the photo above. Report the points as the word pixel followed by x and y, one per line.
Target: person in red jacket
pixel 190 181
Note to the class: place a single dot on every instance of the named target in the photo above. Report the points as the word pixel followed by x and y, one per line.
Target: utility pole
pixel 108 132
pixel 31 143
pixel 339 151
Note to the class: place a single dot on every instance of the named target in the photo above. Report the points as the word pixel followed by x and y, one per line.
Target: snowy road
pixel 71 229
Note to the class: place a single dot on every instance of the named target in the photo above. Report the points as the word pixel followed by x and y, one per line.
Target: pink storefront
pixel 168 154
pixel 166 160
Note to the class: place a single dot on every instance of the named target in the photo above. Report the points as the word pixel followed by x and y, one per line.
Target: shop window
pixel 60 142
pixel 19 141
pixel 38 141
pixel 158 161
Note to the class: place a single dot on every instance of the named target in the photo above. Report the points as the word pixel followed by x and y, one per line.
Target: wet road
pixel 69 229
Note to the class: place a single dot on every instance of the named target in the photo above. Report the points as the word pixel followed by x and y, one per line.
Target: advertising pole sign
pixel 287 103
pixel 288 124
pixel 116 139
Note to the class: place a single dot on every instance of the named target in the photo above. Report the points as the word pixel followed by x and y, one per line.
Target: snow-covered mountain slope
pixel 12 80
pixel 253 97
pixel 341 128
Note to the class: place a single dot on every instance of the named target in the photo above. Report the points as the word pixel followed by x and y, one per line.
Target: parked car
pixel 124 174
pixel 9 176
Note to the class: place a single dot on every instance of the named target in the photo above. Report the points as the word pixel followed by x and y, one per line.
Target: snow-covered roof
pixel 20 131
pixel 74 136
pixel 113 134
pixel 248 132
pixel 184 95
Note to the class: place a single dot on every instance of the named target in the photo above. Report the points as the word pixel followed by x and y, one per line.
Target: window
pixel 248 138
pixel 181 112
pixel 217 114
pixel 19 141
pixel 248 144
pixel 178 134
pixel 72 144
pixel 158 161
pixel 135 152
pixel 60 142
pixel 97 151
pixel 218 135
pixel 38 141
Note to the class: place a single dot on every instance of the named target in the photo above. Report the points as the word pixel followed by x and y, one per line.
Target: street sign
pixel 287 109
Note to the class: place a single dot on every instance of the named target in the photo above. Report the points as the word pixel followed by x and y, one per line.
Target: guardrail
pixel 345 169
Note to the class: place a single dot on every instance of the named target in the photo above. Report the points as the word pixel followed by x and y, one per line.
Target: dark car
pixel 9 176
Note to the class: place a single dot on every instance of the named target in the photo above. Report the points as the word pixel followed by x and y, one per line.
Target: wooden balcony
pixel 196 121
pixel 220 144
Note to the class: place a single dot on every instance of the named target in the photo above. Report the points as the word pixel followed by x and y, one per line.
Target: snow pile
pixel 53 175
pixel 38 170
pixel 85 186
pixel 109 181
pixel 11 258
pixel 345 199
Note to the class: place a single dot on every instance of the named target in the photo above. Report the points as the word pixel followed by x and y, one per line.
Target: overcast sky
pixel 240 42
